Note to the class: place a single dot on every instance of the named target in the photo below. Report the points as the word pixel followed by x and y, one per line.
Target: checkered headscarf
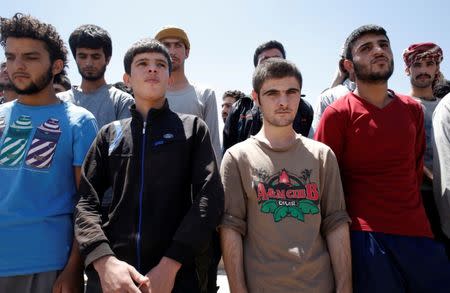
pixel 421 51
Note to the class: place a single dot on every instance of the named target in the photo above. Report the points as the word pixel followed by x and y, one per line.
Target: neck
pixel 374 93
pixel 277 137
pixel 46 96
pixel 143 106
pixel 178 80
pixel 89 86
pixel 424 93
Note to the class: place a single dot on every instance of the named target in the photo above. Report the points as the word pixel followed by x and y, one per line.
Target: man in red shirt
pixel 379 141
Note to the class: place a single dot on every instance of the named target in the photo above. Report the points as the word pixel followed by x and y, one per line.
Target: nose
pixel 17 63
pixel 283 100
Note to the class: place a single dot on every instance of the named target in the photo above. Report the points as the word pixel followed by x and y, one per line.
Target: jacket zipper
pixel 138 236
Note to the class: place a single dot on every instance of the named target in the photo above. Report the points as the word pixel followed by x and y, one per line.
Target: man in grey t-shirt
pixel 422 65
pixel 184 97
pixel 91 47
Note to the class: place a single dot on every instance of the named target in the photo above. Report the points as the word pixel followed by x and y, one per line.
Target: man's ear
pixel 187 52
pixel 348 65
pixel 126 80
pixel 57 67
pixel 107 60
pixel 255 97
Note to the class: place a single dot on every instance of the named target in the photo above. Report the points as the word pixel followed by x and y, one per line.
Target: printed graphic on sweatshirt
pixel 13 149
pixel 42 150
pixel 2 125
pixel 286 195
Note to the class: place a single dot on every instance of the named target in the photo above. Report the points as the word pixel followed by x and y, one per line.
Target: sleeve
pixel 332 204
pixel 88 231
pixel 123 106
pixel 235 210
pixel 195 231
pixel 420 144
pixel 212 120
pixel 84 134
pixel 441 168
pixel 330 131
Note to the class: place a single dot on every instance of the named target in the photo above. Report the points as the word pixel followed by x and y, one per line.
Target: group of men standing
pixel 139 204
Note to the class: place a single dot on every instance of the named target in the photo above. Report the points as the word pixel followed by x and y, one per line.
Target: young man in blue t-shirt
pixel 43 142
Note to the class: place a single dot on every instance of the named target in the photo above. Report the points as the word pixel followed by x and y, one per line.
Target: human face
pixel 373 61
pixel 226 106
pixel 4 79
pixel 149 77
pixel 278 100
pixel 422 73
pixel 91 63
pixel 29 66
pixel 271 53
pixel 177 51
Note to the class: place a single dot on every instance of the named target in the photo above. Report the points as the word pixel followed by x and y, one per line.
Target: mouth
pixel 283 112
pixel 152 80
pixel 423 76
pixel 380 59
pixel 20 75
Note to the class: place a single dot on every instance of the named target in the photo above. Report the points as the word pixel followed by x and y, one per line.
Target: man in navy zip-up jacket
pixel 167 195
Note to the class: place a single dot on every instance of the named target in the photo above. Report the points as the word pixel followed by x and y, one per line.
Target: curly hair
pixel 234 94
pixel 26 26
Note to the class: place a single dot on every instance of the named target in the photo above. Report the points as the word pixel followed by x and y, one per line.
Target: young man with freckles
pixel 285 228
pixel 166 199
pixel 379 141
pixel 43 142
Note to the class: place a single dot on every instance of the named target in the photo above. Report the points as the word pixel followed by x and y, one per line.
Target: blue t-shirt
pixel 39 147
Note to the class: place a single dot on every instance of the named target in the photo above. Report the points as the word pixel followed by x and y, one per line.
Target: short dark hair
pixel 235 94
pixel 358 33
pixel 26 26
pixel 441 89
pixel 145 46
pixel 275 68
pixel 90 36
pixel 267 46
pixel 63 80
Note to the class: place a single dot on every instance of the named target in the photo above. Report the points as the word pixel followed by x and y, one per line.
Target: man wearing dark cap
pixel 422 61
pixel 183 96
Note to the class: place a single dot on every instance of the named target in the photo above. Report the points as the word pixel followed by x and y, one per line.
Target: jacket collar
pixel 152 113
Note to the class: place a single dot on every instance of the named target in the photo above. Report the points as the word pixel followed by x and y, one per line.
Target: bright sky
pixel 224 34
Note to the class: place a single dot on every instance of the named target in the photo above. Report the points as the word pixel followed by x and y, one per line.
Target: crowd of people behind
pixel 128 184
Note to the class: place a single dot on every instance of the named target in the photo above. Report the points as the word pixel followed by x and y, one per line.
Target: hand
pixel 118 276
pixel 162 277
pixel 70 280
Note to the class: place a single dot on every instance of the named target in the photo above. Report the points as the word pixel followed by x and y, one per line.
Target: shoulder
pixel 318 149
pixel 118 94
pixel 410 103
pixel 78 114
pixel 66 96
pixel 242 148
pixel 204 92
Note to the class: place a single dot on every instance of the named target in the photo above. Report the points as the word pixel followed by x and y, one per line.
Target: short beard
pixel 42 82
pixel 96 77
pixel 370 77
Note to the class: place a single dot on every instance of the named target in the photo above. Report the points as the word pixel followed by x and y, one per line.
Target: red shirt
pixel 380 154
